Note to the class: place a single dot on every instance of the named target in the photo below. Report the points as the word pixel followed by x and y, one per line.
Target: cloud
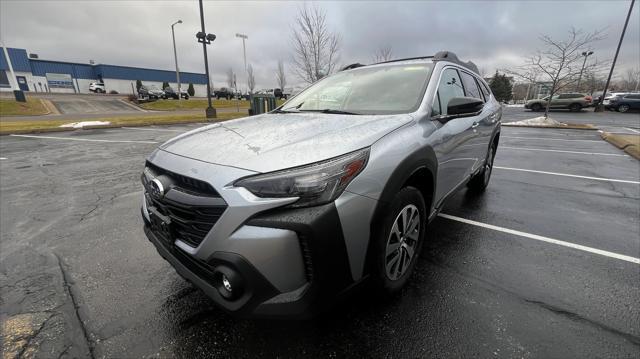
pixel 492 34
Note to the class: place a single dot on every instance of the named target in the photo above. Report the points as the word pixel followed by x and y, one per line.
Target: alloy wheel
pixel 623 108
pixel 402 242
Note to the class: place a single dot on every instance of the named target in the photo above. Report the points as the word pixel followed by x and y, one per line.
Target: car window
pixel 635 97
pixel 485 90
pixel 564 96
pixel 450 86
pixel 376 90
pixel 470 86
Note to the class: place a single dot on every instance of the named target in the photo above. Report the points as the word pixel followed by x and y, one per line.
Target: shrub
pixel 191 91
pixel 114 92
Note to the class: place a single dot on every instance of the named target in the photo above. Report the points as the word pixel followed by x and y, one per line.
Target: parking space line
pixel 566 175
pixel 152 129
pixel 551 139
pixel 3 158
pixel 83 139
pixel 543 239
pixel 563 151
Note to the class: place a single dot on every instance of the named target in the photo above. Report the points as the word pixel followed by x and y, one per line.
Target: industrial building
pixel 38 75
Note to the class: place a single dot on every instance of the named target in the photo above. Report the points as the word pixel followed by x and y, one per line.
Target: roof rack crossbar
pixel 405 59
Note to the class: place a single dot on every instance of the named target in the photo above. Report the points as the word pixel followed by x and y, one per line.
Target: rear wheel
pixel 398 242
pixel 575 107
pixel 536 107
pixel 480 181
pixel 623 108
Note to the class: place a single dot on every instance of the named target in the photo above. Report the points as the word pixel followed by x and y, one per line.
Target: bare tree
pixel 230 78
pixel 631 79
pixel 315 47
pixel 251 80
pixel 382 54
pixel 280 76
pixel 559 63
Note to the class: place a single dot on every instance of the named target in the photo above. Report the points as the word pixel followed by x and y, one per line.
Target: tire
pixel 623 108
pixel 99 91
pixel 186 97
pixel 536 107
pixel 480 180
pixel 391 271
pixel 575 107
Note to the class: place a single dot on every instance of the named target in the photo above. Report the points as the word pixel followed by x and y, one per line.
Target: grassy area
pixel 33 106
pixel 7 127
pixel 195 104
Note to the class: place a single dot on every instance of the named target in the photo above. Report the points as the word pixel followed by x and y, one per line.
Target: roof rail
pixel 352 66
pixel 405 59
pixel 451 57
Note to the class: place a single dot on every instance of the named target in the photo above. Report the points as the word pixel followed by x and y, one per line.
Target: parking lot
pixel 545 264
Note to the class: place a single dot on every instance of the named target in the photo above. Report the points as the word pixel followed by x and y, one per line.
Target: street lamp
pixel 175 55
pixel 205 39
pixel 585 54
pixel 244 51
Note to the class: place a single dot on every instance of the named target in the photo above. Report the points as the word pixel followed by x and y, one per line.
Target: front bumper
pixel 322 246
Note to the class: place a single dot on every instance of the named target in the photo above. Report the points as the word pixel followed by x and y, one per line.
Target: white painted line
pixel 551 139
pixel 3 158
pixel 562 151
pixel 632 130
pixel 82 139
pixel 567 175
pixel 543 239
pixel 152 129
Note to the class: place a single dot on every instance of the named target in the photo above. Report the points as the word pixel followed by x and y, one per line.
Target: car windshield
pixel 389 89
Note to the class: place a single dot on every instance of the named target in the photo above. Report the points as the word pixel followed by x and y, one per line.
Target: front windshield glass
pixel 389 89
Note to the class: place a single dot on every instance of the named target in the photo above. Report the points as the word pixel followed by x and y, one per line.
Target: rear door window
pixel 470 86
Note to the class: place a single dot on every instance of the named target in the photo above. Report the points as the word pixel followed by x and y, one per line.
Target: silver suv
pixel 280 214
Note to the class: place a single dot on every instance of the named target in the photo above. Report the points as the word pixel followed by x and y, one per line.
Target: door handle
pixel 475 124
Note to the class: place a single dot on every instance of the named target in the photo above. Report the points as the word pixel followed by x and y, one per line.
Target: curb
pixel 567 127
pixel 624 142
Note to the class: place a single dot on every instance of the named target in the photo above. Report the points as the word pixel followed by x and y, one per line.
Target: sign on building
pixel 59 80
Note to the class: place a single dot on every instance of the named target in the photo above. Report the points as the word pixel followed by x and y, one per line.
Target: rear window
pixel 635 97
pixel 470 87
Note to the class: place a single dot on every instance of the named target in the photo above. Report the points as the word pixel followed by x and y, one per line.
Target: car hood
pixel 271 142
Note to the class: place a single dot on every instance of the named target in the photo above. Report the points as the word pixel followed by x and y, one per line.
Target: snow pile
pixel 85 124
pixel 515 105
pixel 538 121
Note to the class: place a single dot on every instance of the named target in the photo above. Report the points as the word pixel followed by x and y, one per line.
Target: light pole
pixel 206 39
pixel 600 105
pixel 585 54
pixel 175 56
pixel 244 50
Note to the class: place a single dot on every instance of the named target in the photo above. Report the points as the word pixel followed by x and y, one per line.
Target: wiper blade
pixel 337 112
pixel 284 111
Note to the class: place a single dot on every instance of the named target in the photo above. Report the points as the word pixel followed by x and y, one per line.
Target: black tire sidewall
pixel 621 107
pixel 406 196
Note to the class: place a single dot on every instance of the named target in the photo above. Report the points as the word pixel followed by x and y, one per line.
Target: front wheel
pixel 575 107
pixel 536 107
pixel 480 181
pixel 623 108
pixel 398 242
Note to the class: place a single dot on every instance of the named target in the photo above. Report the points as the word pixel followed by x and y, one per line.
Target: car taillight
pixel 588 98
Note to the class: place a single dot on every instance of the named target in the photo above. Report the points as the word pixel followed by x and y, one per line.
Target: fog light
pixel 226 283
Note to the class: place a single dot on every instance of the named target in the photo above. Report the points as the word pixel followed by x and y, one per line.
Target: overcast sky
pixel 492 34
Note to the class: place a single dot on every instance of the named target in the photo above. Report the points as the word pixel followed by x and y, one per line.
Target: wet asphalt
pixel 75 258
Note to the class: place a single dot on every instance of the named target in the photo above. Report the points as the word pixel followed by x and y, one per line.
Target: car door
pixel 557 101
pixel 633 101
pixel 453 139
pixel 482 127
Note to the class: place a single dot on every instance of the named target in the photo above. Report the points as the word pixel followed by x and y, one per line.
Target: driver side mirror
pixel 461 107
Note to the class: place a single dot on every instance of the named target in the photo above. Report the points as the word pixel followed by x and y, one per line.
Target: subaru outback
pixel 278 215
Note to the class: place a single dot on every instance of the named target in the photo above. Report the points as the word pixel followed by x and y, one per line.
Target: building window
pixel 4 80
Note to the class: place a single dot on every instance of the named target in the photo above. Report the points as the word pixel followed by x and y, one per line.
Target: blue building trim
pixel 22 63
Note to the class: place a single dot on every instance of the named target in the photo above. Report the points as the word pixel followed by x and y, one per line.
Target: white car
pixel 97 87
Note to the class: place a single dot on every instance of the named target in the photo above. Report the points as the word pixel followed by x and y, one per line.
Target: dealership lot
pixel 545 264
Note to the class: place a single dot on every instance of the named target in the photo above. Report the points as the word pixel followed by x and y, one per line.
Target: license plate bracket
pixel 160 224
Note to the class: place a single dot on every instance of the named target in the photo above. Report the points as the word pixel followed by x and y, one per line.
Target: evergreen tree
pixel 138 85
pixel 501 87
pixel 191 91
pixel 165 85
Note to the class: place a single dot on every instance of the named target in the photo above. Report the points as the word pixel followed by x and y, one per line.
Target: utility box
pixel 262 103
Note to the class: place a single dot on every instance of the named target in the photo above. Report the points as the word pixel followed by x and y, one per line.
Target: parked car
pixel 597 96
pixel 279 94
pixel 152 92
pixel 623 102
pixel 97 87
pixel 277 214
pixel 569 101
pixel 170 92
pixel 223 92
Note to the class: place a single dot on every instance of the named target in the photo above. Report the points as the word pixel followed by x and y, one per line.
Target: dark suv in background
pixel 623 102
pixel 567 101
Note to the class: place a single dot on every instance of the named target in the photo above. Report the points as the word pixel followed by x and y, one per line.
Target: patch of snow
pixel 85 123
pixel 515 105
pixel 538 121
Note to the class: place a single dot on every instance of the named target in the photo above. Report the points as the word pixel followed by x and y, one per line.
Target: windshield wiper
pixel 284 111
pixel 337 112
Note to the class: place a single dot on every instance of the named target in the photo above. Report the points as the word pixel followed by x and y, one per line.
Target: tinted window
pixel 470 86
pixel 485 90
pixel 635 97
pixel 449 87
pixel 4 79
pixel 389 89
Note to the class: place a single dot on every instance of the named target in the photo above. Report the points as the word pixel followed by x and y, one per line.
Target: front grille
pixel 192 213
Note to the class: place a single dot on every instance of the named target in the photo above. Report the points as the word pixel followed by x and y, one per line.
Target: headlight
pixel 315 184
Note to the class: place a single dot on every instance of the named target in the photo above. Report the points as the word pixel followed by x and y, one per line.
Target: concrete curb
pixel 628 143
pixel 568 127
